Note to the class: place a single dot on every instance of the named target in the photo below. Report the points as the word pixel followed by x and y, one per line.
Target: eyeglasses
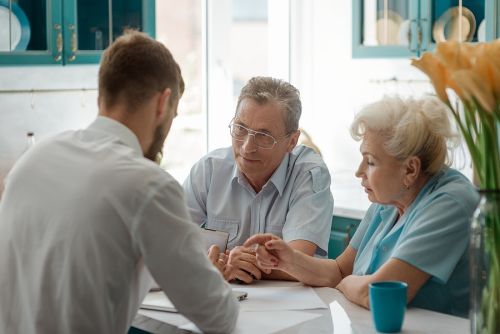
pixel 261 139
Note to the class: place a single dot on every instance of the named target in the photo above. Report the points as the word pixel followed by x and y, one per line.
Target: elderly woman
pixel 415 231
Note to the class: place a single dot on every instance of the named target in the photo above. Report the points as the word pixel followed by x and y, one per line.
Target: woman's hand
pixel 271 251
pixel 355 288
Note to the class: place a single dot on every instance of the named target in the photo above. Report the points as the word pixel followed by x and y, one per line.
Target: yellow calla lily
pixel 488 65
pixel 474 86
pixel 490 76
pixel 454 55
pixel 434 69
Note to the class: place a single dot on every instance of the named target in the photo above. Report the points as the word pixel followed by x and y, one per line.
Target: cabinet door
pixel 385 28
pixel 30 32
pixel 91 25
pixel 458 20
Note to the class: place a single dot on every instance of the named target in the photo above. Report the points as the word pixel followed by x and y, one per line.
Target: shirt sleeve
pixel 171 247
pixel 311 209
pixel 196 191
pixel 436 237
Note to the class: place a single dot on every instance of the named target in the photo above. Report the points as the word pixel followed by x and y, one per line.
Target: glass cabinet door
pixel 453 20
pixel 401 28
pixel 385 27
pixel 91 25
pixel 30 32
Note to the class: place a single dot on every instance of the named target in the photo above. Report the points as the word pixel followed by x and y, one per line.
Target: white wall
pixel 45 113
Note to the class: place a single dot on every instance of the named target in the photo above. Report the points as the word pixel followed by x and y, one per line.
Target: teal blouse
pixel 432 235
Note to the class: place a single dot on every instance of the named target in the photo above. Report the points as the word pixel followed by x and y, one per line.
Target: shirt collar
pixel 278 178
pixel 389 212
pixel 117 129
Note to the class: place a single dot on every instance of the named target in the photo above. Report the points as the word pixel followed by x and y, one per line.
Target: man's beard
pixel 156 147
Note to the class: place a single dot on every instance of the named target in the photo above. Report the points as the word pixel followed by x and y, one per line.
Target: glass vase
pixel 485 264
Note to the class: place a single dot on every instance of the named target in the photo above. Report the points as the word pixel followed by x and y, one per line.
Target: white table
pixel 341 317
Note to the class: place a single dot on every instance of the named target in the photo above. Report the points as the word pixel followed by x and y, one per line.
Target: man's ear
pixel 413 167
pixel 163 103
pixel 294 138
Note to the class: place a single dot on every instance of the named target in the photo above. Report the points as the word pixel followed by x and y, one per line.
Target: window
pixel 245 38
pixel 178 26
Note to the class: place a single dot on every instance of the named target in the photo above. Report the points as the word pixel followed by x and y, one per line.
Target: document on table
pixel 255 311
pixel 280 298
pixel 263 322
pixel 158 301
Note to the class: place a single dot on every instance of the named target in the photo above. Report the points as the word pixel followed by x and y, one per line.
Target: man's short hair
pixel 134 68
pixel 267 89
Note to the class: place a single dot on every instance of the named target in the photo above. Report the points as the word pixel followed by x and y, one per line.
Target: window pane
pixel 386 22
pixel 246 38
pixel 178 26
pixel 94 23
pixel 450 21
pixel 23 25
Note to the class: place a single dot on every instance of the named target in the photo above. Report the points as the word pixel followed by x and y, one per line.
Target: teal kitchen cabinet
pixel 343 229
pixel 67 31
pixel 407 28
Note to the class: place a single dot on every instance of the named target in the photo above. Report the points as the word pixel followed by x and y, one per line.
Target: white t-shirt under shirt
pixel 83 218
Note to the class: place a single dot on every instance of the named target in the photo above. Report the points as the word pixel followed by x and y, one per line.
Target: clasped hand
pixel 271 251
pixel 238 264
pixel 260 254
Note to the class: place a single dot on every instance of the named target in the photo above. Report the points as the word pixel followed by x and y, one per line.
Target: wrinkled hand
pixel 271 251
pixel 218 259
pixel 242 265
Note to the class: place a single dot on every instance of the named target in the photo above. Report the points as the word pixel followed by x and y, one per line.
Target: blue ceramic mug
pixel 388 305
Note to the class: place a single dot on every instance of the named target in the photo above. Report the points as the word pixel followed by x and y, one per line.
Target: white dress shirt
pixel 83 218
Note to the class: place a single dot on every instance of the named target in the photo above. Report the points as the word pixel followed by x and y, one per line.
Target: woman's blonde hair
pixel 411 127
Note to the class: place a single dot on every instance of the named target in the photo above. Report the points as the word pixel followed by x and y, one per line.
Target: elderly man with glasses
pixel 264 183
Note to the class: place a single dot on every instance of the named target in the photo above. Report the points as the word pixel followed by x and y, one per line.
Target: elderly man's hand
pixel 242 265
pixel 218 259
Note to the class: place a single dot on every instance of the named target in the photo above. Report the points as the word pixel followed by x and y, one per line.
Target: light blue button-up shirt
pixel 295 204
pixel 432 235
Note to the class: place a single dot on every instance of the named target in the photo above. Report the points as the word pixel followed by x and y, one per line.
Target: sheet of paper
pixel 264 322
pixel 280 298
pixel 157 301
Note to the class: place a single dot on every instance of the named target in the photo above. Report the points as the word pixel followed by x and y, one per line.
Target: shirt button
pixel 384 249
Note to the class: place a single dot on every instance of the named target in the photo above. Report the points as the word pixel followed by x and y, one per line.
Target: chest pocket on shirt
pixel 230 226
pixel 277 230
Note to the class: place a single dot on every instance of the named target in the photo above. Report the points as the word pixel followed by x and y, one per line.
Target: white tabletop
pixel 342 316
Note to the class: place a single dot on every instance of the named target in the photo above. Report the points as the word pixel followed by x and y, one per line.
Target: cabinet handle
pixel 414 28
pixel 424 42
pixel 74 45
pixel 59 42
